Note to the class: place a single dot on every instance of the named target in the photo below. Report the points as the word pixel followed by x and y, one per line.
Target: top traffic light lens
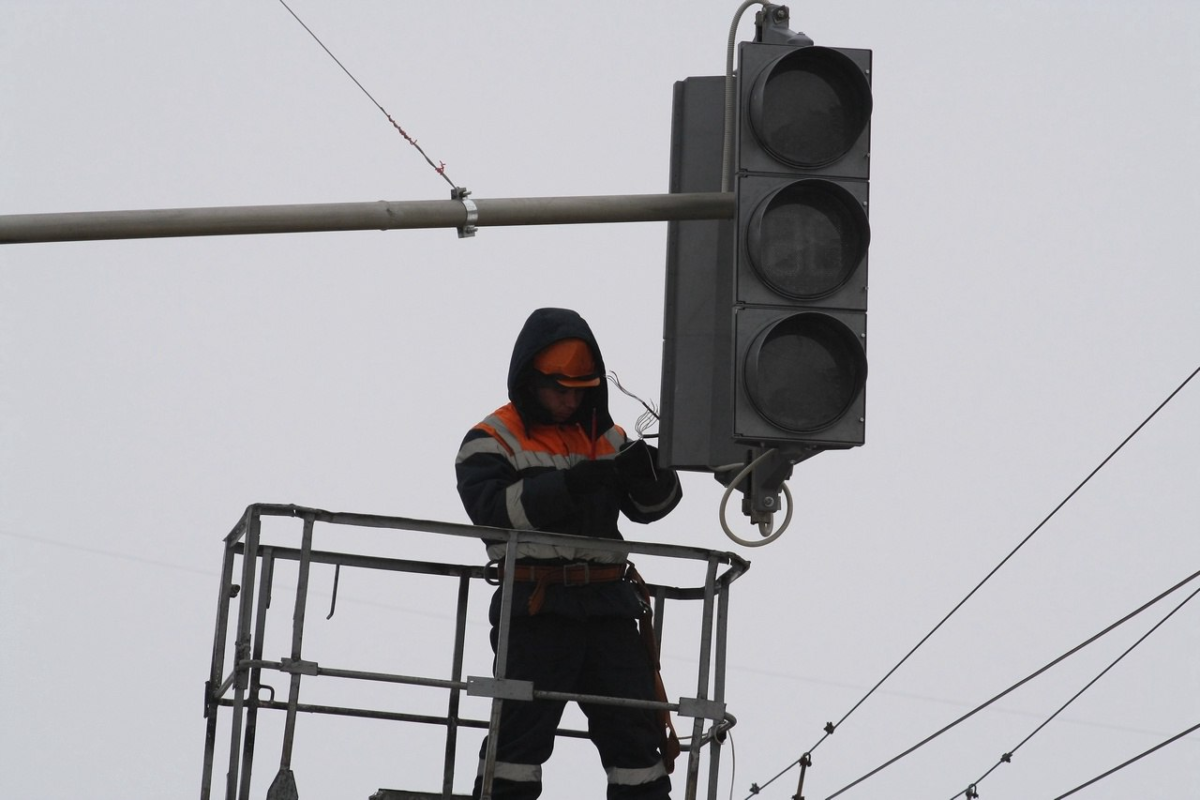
pixel 810 106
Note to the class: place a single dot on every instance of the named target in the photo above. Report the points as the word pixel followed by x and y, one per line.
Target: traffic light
pixel 800 260
pixel 764 330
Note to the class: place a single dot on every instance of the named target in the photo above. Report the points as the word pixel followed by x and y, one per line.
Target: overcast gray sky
pixel 1034 285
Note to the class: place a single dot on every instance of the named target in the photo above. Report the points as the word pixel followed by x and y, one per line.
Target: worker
pixel 553 460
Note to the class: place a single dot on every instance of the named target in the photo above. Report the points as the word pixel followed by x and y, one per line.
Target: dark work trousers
pixel 589 655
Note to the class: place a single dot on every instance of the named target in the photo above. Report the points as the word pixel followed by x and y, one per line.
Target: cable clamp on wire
pixel 467 229
pixel 805 763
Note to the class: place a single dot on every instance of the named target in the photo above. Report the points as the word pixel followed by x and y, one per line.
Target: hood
pixel 544 327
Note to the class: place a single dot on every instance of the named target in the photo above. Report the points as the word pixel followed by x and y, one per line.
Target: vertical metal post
pixel 706 626
pixel 460 636
pixel 714 747
pixel 506 593
pixel 242 648
pixel 289 729
pixel 266 579
pixel 220 635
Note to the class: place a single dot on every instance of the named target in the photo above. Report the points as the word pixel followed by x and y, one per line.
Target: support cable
pixel 830 727
pixel 1016 685
pixel 1007 757
pixel 1159 746
pixel 439 168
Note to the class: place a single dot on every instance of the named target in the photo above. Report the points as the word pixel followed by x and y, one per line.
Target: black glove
pixel 591 476
pixel 637 464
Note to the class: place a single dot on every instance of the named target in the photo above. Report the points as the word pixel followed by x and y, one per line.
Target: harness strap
pixel 584 573
pixel 670 740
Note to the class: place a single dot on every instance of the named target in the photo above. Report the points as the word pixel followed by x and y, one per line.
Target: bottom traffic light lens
pixel 804 372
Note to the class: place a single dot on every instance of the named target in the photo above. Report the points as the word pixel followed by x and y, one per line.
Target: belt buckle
pixel 587 574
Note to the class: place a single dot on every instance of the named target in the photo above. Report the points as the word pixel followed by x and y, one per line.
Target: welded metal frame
pixel 237 685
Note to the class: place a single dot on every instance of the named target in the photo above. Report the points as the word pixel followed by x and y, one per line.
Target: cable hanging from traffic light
pixel 766 527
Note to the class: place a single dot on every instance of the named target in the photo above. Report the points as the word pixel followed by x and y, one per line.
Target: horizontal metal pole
pixel 381 215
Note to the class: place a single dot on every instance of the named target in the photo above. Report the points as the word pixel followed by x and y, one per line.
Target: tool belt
pixel 583 573
pixel 578 574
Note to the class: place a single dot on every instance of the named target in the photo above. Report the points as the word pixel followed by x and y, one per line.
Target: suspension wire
pixel 440 167
pixel 830 727
pixel 1007 757
pixel 1017 685
pixel 1158 746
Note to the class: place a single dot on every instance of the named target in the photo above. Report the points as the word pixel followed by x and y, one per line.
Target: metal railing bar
pixel 500 534
pixel 393 716
pixel 220 634
pixel 289 728
pixel 456 674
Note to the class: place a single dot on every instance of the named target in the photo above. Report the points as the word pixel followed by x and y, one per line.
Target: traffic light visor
pixel 810 106
pixel 807 239
pixel 804 371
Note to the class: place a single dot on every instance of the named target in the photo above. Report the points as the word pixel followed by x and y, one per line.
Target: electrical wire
pixel 1139 756
pixel 765 528
pixel 440 167
pixel 648 417
pixel 1007 757
pixel 1016 685
pixel 732 764
pixel 727 140
pixel 830 727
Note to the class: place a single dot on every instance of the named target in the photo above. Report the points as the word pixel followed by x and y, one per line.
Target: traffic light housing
pixel 764 337
pixel 800 260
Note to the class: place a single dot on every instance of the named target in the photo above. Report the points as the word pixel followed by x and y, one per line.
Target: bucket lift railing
pixel 240 688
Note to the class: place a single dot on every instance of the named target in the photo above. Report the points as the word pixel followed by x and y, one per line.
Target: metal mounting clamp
pixel 469 227
pixel 697 707
pixel 503 689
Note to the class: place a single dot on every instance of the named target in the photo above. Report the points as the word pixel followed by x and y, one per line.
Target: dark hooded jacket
pixel 511 467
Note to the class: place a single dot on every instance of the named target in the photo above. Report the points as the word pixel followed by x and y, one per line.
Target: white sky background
pixel 1033 298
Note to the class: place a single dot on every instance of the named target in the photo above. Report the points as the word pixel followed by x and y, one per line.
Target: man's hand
pixel 637 465
pixel 591 476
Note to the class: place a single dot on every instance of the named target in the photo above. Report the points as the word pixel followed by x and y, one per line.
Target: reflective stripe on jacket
pixel 511 476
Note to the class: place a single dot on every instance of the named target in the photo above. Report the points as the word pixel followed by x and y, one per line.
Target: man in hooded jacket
pixel 553 460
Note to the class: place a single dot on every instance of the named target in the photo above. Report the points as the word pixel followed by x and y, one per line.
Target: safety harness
pixel 581 574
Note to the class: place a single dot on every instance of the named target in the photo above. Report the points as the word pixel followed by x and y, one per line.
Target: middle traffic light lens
pixel 807 239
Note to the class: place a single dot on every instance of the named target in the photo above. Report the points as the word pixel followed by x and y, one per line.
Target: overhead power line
pixel 1159 746
pixel 1007 757
pixel 830 727
pixel 1016 685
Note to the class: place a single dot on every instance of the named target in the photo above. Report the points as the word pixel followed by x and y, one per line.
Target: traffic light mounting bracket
pixel 772 26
